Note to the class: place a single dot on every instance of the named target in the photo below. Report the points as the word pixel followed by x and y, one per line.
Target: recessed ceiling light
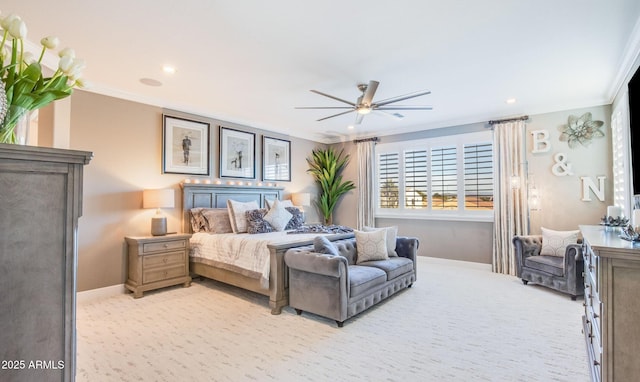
pixel 150 82
pixel 350 127
pixel 511 101
pixel 168 69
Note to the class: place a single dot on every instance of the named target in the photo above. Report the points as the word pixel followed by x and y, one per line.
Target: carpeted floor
pixel 459 322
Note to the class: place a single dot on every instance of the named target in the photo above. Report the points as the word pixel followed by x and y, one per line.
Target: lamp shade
pixel 301 199
pixel 162 198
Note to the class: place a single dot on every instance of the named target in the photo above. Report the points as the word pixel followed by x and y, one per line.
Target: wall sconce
pixel 163 198
pixel 534 199
pixel 515 182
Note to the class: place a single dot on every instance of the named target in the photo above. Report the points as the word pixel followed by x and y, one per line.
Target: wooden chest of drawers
pixel 157 262
pixel 611 304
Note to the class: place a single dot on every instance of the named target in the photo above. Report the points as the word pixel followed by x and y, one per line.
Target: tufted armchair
pixel 563 274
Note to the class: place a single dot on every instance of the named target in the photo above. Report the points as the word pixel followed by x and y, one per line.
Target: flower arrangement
pixel 25 86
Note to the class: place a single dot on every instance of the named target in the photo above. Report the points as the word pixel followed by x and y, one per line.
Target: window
pixel 441 178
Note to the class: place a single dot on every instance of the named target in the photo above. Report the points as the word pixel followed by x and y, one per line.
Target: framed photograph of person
pixel 237 154
pixel 185 146
pixel 276 159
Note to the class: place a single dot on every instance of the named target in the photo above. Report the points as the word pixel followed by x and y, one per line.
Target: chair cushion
pixel 393 267
pixel 550 264
pixel 362 279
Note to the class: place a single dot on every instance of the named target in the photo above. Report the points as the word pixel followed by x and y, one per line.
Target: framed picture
pixel 185 146
pixel 237 154
pixel 276 159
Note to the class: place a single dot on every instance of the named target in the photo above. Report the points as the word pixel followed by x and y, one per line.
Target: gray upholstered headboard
pixel 216 195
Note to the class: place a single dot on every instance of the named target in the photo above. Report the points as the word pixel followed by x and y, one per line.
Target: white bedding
pixel 243 253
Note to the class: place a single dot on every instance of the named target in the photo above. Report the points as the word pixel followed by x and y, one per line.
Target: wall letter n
pixel 589 184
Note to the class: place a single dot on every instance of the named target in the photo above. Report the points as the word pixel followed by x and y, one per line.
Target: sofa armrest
pixel 525 246
pixel 318 263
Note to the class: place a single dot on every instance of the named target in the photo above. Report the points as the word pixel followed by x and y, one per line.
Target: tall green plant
pixel 326 167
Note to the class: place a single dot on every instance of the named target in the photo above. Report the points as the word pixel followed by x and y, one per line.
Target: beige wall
pixel 126 140
pixel 562 207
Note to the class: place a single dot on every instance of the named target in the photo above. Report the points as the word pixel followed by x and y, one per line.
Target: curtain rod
pixel 523 118
pixel 372 139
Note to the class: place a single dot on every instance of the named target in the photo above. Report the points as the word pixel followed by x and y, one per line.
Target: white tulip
pixel 82 83
pixel 6 22
pixel 76 68
pixel 50 42
pixel 28 58
pixel 65 64
pixel 67 52
pixel 18 29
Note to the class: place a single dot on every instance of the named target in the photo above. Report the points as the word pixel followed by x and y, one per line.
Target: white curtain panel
pixel 366 190
pixel 510 206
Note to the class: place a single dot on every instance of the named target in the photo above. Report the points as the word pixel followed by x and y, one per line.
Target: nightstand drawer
pixel 159 274
pixel 164 246
pixel 164 259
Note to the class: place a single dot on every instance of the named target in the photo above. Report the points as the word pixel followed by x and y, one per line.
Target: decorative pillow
pixel 371 245
pixel 554 243
pixel 278 216
pixel 297 218
pixel 392 234
pixel 323 245
pixel 285 203
pixel 196 219
pixel 256 222
pixel 217 220
pixel 237 215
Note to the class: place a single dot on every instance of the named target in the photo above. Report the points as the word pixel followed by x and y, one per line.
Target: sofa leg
pixel 298 311
pixel 340 323
pixel 525 282
pixel 573 298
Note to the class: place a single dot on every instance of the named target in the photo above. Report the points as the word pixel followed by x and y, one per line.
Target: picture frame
pixel 185 146
pixel 276 159
pixel 237 154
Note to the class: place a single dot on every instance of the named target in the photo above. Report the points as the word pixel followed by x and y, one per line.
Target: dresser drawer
pixel 164 259
pixel 165 273
pixel 164 246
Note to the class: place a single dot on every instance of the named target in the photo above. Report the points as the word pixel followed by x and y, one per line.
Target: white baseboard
pixel 100 293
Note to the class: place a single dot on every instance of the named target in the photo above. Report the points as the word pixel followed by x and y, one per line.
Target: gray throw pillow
pixel 256 222
pixel 323 245
pixel 297 220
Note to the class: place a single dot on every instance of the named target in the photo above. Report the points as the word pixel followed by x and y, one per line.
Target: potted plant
pixel 326 167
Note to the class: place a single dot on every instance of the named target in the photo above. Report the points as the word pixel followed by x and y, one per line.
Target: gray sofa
pixel 334 286
pixel 563 274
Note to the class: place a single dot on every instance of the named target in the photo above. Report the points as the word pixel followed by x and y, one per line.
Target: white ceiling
pixel 252 62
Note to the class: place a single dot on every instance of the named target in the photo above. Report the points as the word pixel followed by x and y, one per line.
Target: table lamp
pixel 163 198
pixel 301 199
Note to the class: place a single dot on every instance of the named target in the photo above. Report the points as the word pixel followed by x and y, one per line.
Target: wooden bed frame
pixel 215 196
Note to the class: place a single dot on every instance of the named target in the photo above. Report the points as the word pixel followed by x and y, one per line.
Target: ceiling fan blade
pixel 367 97
pixel 404 108
pixel 402 98
pixel 324 107
pixel 397 116
pixel 332 97
pixel 335 115
pixel 359 118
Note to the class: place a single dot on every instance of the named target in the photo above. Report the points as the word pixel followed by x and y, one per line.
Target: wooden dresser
pixel 40 203
pixel 611 322
pixel 157 262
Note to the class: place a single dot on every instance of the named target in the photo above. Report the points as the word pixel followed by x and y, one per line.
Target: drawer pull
pixel 596 363
pixel 166 245
pixel 165 260
pixel 595 315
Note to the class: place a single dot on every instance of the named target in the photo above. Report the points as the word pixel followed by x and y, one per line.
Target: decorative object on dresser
pixel 41 204
pixel 611 304
pixel 158 199
pixel 553 259
pixel 157 262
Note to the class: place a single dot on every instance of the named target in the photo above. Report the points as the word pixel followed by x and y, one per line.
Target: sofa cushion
pixel 393 267
pixel 554 243
pixel 550 264
pixel 392 234
pixel 371 245
pixel 362 279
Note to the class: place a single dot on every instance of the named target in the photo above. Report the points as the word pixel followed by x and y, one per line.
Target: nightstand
pixel 157 262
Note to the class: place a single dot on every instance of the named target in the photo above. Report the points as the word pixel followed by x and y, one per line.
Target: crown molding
pixel 632 53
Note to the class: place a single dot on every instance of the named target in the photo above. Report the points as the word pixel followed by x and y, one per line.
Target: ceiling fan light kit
pixel 365 105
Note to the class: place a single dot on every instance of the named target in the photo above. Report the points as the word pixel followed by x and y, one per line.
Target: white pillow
pixel 554 243
pixel 237 216
pixel 285 203
pixel 392 234
pixel 371 245
pixel 278 216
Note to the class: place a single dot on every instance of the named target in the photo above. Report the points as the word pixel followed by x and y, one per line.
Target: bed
pixel 201 195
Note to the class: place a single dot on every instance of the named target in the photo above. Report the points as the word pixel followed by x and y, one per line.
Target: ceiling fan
pixel 365 105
